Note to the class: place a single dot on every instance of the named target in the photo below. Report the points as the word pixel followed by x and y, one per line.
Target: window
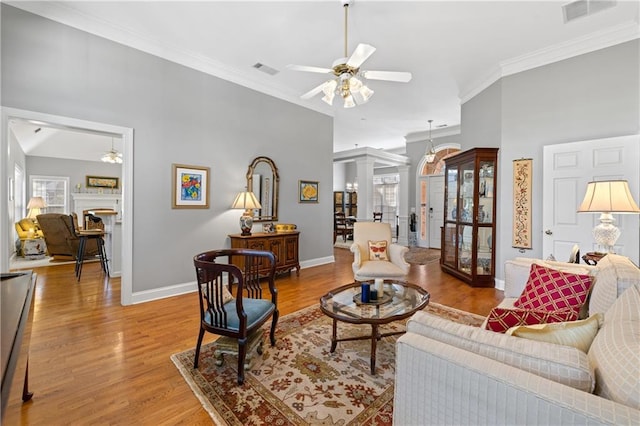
pixel 385 198
pixel 54 190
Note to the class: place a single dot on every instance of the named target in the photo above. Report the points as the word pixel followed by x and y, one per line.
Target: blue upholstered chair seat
pixel 256 309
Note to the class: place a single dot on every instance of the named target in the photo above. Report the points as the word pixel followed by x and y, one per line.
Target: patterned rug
pixel 421 256
pixel 299 382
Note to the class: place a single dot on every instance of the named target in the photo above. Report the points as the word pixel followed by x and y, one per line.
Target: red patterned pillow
pixel 378 250
pixel 551 290
pixel 502 319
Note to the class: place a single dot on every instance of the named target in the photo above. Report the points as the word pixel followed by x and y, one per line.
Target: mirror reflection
pixel 263 180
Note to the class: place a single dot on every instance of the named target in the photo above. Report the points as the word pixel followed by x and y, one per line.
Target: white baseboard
pixel 191 287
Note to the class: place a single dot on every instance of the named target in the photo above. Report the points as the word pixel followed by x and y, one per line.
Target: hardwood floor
pixel 96 362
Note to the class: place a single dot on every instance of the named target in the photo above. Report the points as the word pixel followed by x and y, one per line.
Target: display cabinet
pixel 338 202
pixel 468 249
pixel 351 204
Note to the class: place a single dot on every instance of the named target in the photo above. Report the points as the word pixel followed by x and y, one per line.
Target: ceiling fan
pixel 349 80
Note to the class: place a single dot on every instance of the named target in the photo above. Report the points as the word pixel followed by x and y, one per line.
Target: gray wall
pixel 76 170
pixel 179 115
pixel 591 96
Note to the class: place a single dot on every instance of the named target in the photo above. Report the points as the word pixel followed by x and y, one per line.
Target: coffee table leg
pixel 374 340
pixel 334 337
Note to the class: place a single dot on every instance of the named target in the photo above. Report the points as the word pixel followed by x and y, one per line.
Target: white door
pixel 567 170
pixel 436 209
pixel 423 215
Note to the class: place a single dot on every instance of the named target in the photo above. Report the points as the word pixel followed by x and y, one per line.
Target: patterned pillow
pixel 551 290
pixel 378 250
pixel 578 334
pixel 502 319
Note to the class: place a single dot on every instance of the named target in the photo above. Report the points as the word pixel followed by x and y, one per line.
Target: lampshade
pixel 607 197
pixel 35 205
pixel 248 201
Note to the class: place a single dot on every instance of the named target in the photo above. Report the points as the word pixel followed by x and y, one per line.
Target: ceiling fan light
pixel 366 93
pixel 349 102
pixel 328 98
pixel 113 157
pixel 355 84
pixel 330 87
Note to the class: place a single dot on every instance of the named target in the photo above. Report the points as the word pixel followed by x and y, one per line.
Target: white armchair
pixel 365 269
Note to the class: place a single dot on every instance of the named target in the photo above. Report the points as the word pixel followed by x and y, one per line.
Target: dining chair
pixel 230 295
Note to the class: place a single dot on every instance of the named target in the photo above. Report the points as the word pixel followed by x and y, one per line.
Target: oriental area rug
pixel 299 382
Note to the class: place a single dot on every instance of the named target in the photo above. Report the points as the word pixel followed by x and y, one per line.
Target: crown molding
pixel 589 43
pixel 70 16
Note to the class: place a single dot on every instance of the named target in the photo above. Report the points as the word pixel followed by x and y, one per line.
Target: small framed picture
pixel 102 182
pixel 190 187
pixel 307 191
pixel 267 227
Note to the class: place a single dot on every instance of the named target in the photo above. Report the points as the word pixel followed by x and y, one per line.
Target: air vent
pixel 265 68
pixel 580 8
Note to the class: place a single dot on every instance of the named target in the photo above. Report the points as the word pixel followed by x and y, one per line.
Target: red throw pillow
pixel 502 319
pixel 551 290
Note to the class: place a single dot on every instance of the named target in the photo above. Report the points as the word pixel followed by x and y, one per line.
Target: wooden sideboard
pixel 283 244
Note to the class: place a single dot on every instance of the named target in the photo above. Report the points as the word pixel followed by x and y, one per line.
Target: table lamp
pixel 248 201
pixel 35 205
pixel 607 197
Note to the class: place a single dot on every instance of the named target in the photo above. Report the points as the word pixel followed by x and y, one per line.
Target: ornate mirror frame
pixel 266 190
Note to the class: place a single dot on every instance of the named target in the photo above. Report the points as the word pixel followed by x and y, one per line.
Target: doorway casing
pixel 126 133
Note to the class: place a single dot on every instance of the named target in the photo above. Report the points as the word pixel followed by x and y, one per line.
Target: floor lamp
pixel 607 197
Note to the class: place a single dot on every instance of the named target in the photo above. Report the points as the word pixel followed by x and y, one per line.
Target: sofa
pixel 449 373
pixel 59 232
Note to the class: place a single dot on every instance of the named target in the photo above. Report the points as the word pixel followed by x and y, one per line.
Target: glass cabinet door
pixel 485 245
pixel 465 202
pixel 485 192
pixel 452 194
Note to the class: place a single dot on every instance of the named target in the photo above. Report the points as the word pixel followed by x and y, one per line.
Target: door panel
pixel 436 210
pixel 567 170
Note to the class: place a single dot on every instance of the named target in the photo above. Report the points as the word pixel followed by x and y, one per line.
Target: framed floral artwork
pixel 102 182
pixel 307 191
pixel 190 187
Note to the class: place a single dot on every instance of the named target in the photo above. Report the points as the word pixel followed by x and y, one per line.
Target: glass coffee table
pixel 400 300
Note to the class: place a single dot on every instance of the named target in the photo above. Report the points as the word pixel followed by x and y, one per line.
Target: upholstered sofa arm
pixel 437 383
pixel 562 364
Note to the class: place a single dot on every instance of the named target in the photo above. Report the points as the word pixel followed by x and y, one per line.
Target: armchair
pixel 364 268
pixel 26 229
pixel 235 314
pixel 60 236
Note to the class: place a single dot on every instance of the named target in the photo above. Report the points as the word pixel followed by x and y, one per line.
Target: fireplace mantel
pixel 93 201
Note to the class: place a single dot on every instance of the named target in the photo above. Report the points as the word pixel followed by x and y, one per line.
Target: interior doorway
pixel 126 134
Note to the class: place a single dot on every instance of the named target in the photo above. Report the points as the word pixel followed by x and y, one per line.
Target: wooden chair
pixel 341 226
pixel 237 314
pixel 377 216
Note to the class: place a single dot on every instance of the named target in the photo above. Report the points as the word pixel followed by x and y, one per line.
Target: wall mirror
pixel 263 180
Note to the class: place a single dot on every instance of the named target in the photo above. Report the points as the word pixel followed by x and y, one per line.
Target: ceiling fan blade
pixel 309 69
pixel 402 77
pixel 311 93
pixel 362 52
